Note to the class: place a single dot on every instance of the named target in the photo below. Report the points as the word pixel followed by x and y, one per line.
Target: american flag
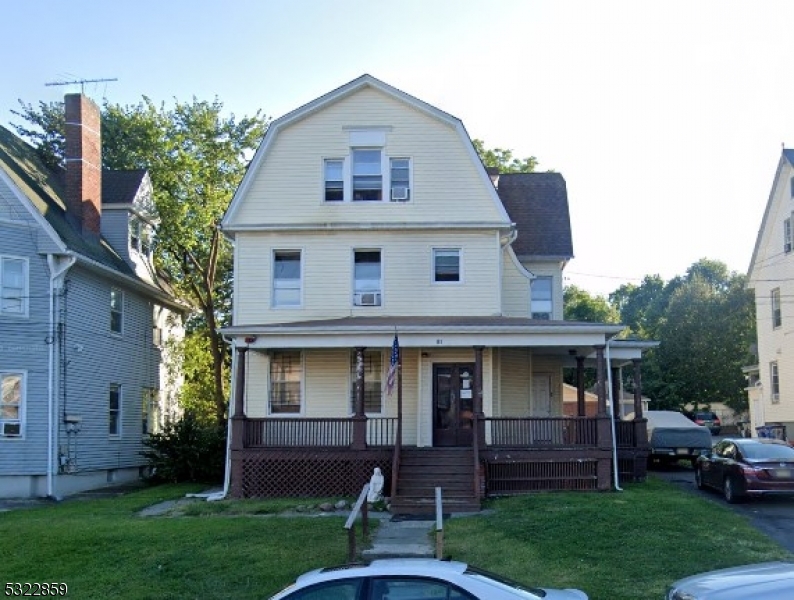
pixel 391 378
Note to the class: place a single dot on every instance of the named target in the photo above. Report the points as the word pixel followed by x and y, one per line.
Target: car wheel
pixel 729 490
pixel 699 478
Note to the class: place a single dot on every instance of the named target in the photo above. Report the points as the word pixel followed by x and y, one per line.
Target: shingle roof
pixel 121 187
pixel 44 188
pixel 789 154
pixel 538 204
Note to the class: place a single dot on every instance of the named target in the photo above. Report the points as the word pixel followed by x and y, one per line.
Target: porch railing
pixel 541 431
pixel 626 434
pixel 315 432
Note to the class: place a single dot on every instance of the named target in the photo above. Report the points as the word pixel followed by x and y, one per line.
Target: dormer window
pixel 141 234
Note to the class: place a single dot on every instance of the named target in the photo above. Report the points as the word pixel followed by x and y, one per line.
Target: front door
pixel 453 404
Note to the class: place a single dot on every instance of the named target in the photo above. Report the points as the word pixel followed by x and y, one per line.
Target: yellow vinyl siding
pixel 256 383
pixel 553 270
pixel 406 259
pixel 515 375
pixel 545 364
pixel 515 288
pixel 288 189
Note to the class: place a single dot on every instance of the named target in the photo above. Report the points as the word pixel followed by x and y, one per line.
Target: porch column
pixel 600 383
pixel 238 425
pixel 580 405
pixel 637 389
pixel 479 423
pixel 616 394
pixel 359 418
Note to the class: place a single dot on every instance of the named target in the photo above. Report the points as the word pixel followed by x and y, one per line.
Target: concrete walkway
pixel 401 539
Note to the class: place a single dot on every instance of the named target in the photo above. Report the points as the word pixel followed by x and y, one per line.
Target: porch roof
pixel 563 337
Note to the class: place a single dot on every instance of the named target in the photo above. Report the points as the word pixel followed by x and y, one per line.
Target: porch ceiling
pixel 567 338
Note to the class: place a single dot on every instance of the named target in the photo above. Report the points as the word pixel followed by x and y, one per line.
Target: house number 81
pixel 439 342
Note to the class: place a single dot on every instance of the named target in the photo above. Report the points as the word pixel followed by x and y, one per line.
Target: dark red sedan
pixel 742 467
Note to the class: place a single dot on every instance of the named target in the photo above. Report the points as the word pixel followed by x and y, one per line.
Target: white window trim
pixel 119 333
pixel 383 373
pixel 550 279
pixel 777 309
pixel 787 237
pixel 23 374
pixel 345 171
pixel 120 420
pixel 353 277
pixel 25 292
pixel 385 174
pixel 433 265
pixel 302 411
pixel 774 374
pixel 347 177
pixel 273 303
pixel 151 397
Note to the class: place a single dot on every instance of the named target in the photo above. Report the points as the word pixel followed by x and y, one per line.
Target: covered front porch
pixel 490 387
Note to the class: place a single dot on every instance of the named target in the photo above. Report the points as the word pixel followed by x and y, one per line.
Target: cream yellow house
pixel 366 217
pixel 771 276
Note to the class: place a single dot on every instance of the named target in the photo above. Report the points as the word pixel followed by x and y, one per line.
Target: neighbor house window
pixel 286 370
pixel 777 319
pixel 13 286
pixel 400 179
pixel 334 180
pixel 541 298
pixel 367 174
pixel 114 409
pixel 787 235
pixel 775 381
pixel 140 235
pixel 366 278
pixel 287 278
pixel 116 310
pixel 446 265
pixel 12 398
pixel 373 388
pixel 150 411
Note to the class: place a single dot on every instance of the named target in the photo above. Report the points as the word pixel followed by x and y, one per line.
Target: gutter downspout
pixel 616 474
pixel 227 472
pixel 57 269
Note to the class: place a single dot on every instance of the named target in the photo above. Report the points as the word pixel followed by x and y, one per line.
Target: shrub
pixel 187 451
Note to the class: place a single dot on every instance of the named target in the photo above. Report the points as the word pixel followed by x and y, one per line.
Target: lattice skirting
pixel 310 474
pixel 519 477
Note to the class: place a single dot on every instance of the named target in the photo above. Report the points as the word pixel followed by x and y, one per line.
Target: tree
pixel 579 305
pixel 196 157
pixel 504 159
pixel 705 336
pixel 642 307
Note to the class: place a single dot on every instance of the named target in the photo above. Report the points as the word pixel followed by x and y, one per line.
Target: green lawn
pixel 627 545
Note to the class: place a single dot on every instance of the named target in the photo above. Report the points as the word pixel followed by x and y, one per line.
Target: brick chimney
pixel 83 164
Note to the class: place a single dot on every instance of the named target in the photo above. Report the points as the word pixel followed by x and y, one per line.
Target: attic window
pixel 367 174
pixel 541 291
pixel 141 236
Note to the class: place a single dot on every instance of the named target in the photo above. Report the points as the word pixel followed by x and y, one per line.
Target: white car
pixel 762 581
pixel 414 579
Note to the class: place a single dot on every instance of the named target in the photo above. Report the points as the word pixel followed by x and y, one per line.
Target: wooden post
pixel 580 403
pixel 637 388
pixel 236 444
pixel 359 418
pixel 478 422
pixel 616 394
pixel 600 383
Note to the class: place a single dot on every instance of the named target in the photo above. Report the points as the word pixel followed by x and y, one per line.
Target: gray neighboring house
pixel 84 319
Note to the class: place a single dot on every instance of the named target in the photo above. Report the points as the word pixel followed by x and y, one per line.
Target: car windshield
pixel 504 583
pixel 768 452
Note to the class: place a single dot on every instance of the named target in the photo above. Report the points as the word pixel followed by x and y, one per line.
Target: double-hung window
pixel 286 373
pixel 287 278
pixel 777 317
pixel 13 286
pixel 774 380
pixel 367 271
pixel 12 399
pixel 541 298
pixel 373 388
pixel 114 410
pixel 787 235
pixel 400 170
pixel 116 310
pixel 334 180
pixel 367 174
pixel 446 265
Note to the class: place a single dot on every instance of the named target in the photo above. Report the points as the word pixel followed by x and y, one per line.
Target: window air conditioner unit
pixel 368 299
pixel 11 429
pixel 399 193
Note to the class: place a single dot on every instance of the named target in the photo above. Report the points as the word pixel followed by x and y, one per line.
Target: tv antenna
pixel 82 82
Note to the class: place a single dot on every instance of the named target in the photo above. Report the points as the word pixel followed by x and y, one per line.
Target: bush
pixel 187 451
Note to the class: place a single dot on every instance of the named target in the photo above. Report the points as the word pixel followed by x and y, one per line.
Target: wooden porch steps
pixel 424 469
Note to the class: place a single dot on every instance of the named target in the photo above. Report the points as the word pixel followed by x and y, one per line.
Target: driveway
pixel 773 516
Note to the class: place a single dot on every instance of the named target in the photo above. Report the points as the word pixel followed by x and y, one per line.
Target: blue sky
pixel 665 118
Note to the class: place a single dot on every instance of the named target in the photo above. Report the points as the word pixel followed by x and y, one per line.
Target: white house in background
pixel 84 319
pixel 771 276
pixel 367 213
